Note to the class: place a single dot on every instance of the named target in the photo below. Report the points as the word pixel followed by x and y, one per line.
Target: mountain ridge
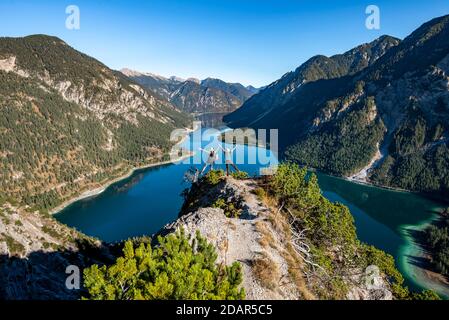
pixel 194 95
pixel 316 68
pixel 396 106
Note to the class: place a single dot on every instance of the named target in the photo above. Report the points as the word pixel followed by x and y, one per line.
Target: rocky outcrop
pixel 365 286
pixel 246 239
pixel 260 239
pixel 35 251
pixel 8 64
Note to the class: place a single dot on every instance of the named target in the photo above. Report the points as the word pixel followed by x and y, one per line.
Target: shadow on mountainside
pixel 42 275
pixel 424 259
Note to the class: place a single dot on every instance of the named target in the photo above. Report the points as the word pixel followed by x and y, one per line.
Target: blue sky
pixel 248 41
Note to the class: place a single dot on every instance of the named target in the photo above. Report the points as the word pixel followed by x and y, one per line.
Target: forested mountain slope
pixel 68 122
pixel 394 109
pixel 262 106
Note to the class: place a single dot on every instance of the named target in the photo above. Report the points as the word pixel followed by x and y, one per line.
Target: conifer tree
pixel 177 268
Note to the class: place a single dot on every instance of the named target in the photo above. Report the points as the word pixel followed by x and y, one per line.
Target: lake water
pixel 150 198
pixel 385 218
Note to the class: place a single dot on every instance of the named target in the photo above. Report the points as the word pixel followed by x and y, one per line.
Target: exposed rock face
pixel 364 288
pixel 24 232
pixel 162 86
pixel 259 239
pixel 35 253
pixel 8 64
pixel 68 122
pixel 82 80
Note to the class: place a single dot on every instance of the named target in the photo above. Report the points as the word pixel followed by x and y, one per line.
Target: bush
pixel 260 193
pixel 229 208
pixel 213 177
pixel 240 175
pixel 386 264
pixel 176 269
pixel 331 225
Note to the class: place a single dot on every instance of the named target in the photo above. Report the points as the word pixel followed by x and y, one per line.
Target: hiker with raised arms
pixel 228 159
pixel 212 157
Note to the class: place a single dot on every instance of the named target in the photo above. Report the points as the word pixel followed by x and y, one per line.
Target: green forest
pixel 342 147
pixel 418 150
pixel 418 157
pixel 437 239
pixel 48 141
pixel 51 149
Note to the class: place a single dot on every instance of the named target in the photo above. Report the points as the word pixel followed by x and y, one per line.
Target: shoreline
pixel 97 191
pixel 412 257
pixel 373 185
pixel 429 196
pixel 368 184
pixel 421 272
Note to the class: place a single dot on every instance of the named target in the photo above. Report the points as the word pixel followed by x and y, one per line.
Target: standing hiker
pixel 210 159
pixel 228 159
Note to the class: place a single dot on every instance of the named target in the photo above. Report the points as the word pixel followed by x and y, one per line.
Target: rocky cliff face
pixel 69 124
pixel 261 240
pixel 37 250
pixel 79 79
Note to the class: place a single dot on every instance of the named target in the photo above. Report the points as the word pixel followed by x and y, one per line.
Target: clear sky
pixel 248 41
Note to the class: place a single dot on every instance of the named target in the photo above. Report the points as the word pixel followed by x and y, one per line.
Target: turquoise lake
pixel 150 198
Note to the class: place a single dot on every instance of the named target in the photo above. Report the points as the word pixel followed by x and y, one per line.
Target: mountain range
pixel 71 125
pixel 193 95
pixel 379 111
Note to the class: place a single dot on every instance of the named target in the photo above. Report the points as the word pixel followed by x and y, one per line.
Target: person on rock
pixel 228 159
pixel 210 159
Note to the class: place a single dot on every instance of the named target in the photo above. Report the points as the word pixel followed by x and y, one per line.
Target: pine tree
pixel 178 268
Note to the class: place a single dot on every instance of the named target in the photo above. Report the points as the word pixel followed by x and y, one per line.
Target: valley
pixel 382 217
pixel 208 96
pixel 86 173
